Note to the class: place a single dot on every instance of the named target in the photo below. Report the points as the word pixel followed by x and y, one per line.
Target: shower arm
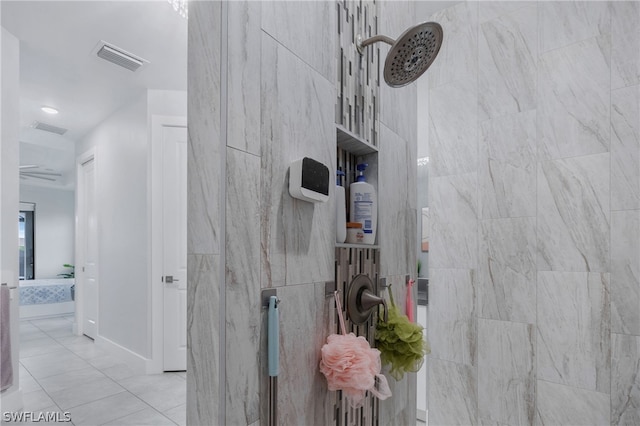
pixel 361 44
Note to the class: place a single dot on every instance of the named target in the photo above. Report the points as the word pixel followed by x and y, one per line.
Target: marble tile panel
pixel 395 17
pixel 303 397
pixel 506 372
pixel 398 110
pixel 307 29
pixel 574 91
pixel 625 272
pixel 488 10
pixel 625 43
pixel 458 56
pixel 573 214
pixel 453 228
pixel 566 405
pixel 452 330
pixel 297 107
pixel 203 356
pixel 507 62
pixel 396 204
pixel 564 23
pixel 507 270
pixel 625 379
pixel 507 166
pixel 397 105
pixel 453 128
pixel 205 145
pixel 453 394
pixel 401 407
pixel 243 78
pixel 243 220
pixel 625 148
pixel 243 288
pixel 574 327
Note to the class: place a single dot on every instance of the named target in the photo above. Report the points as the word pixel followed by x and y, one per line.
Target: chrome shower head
pixel 411 54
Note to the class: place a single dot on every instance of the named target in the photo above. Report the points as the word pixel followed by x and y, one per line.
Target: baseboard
pixel 137 362
pixel 11 402
pixel 47 310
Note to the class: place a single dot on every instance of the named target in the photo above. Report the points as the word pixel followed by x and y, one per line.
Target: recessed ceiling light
pixel 49 110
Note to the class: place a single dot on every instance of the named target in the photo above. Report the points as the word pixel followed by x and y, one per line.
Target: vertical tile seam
pixel 222 298
pixel 475 277
pixel 610 260
pixel 537 153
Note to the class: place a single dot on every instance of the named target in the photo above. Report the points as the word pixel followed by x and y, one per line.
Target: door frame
pixel 156 322
pixel 78 326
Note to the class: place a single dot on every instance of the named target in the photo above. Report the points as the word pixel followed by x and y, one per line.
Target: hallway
pixel 61 372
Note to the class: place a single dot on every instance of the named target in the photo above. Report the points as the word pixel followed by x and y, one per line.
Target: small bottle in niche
pixel 355 234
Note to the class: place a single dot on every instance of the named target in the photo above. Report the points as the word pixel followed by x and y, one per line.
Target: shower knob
pixel 361 300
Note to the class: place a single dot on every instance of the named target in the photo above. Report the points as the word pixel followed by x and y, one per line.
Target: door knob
pixel 169 279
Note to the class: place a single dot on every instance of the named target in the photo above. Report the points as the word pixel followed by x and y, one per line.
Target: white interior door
pixel 89 231
pixel 174 220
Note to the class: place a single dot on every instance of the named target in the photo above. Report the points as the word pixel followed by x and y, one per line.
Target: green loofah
pixel 401 343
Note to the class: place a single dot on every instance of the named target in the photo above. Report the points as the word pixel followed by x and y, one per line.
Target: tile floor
pixel 61 372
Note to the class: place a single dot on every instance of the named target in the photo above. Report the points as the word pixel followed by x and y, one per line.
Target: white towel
pixel 6 366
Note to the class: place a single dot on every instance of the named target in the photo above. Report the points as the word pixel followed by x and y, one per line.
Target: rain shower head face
pixel 413 52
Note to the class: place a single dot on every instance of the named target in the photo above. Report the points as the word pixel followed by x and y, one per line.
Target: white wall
pixel 54 228
pixel 121 184
pixel 11 398
pixel 122 155
pixel 167 102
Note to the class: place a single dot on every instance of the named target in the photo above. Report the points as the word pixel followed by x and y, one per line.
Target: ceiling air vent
pixel 48 128
pixel 119 57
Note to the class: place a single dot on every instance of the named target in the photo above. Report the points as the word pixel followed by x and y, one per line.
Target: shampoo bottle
pixel 364 205
pixel 341 210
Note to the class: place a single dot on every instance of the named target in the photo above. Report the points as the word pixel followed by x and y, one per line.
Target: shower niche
pixel 350 152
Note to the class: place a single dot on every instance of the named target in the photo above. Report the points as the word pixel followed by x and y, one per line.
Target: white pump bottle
pixel 364 205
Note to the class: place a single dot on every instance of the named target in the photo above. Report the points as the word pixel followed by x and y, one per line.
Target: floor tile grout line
pixel 54 334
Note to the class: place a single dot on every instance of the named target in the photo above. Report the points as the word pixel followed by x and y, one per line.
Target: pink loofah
pixel 351 365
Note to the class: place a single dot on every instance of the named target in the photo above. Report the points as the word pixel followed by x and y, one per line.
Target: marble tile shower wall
pixel 204 224
pixel 535 205
pixel 280 106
